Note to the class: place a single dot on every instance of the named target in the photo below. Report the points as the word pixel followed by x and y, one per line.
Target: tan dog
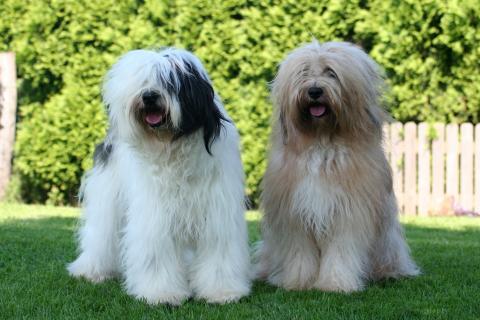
pixel 330 212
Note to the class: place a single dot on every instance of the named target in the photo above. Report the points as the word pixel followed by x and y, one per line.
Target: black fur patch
pixel 198 107
pixel 102 153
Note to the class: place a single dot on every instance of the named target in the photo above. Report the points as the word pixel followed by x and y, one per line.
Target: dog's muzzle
pixel 318 105
pixel 153 113
pixel 154 117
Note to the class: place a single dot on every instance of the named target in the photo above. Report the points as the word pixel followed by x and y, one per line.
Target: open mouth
pixel 154 117
pixel 318 110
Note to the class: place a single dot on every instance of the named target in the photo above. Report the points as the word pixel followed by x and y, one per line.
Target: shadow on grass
pixel 34 252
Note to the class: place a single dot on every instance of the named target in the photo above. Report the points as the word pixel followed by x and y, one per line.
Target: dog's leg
pixel 344 260
pixel 391 254
pixel 99 233
pixel 291 256
pixel 152 261
pixel 220 272
pixel 221 268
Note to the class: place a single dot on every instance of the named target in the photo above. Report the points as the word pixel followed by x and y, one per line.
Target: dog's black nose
pixel 149 97
pixel 315 92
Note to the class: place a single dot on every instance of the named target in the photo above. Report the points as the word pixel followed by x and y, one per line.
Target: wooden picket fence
pixel 436 167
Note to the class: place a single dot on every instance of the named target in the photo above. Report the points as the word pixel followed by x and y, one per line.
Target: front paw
pixel 339 282
pixel 221 289
pixel 222 296
pixel 87 268
pixel 155 291
pixel 219 286
pixel 297 273
pixel 170 298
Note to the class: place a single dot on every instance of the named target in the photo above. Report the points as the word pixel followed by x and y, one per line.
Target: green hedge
pixel 429 50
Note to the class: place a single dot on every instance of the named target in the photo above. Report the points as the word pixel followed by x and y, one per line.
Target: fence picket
pixel 438 169
pixel 396 161
pixel 477 168
pixel 452 163
pixel 410 142
pixel 423 169
pixel 386 142
pixel 466 167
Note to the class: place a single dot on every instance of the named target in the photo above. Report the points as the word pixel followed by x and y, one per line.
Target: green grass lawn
pixel 37 241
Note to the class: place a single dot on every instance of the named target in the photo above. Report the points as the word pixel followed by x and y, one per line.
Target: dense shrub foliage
pixel 429 50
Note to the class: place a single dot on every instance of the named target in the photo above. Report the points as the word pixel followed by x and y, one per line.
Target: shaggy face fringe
pixel 163 205
pixel 330 213
pixel 168 88
pixel 351 88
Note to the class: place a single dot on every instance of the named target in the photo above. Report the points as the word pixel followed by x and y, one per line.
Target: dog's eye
pixel 331 73
pixel 305 69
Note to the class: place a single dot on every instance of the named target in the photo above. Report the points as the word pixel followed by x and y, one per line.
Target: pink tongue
pixel 318 111
pixel 153 118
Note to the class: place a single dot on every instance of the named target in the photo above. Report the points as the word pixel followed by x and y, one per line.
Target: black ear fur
pixel 102 153
pixel 197 103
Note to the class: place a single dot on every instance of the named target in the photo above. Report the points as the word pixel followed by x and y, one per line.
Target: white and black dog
pixel 164 203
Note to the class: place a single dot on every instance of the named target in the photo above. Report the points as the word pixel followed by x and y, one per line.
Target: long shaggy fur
pixel 330 212
pixel 163 206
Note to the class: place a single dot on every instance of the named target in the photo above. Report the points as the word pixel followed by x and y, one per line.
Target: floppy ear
pixel 283 127
pixel 198 107
pixel 277 96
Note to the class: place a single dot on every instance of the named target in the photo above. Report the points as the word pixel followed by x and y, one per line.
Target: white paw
pixel 86 268
pixel 223 294
pixel 222 297
pixel 171 298
pixel 155 291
